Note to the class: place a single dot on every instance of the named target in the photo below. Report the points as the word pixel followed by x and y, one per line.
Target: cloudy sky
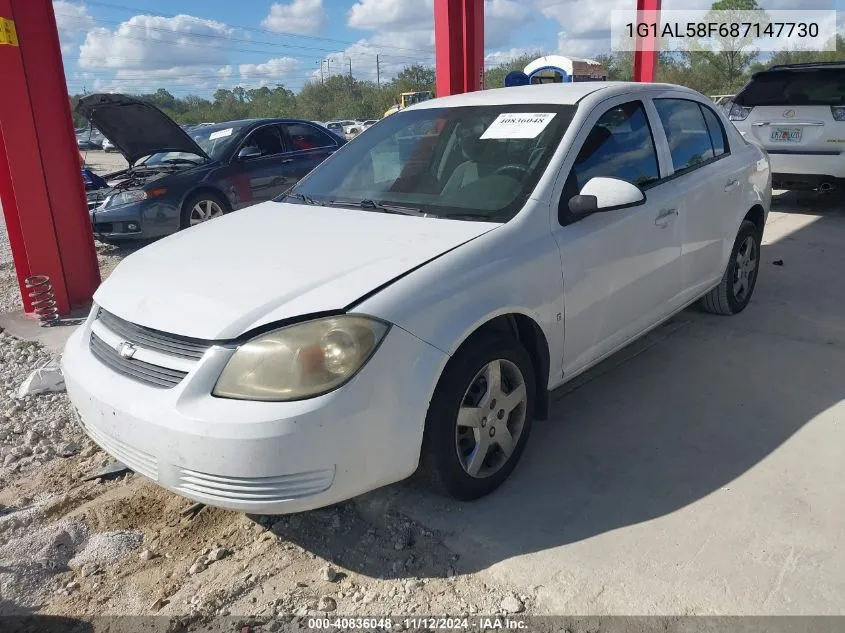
pixel 195 47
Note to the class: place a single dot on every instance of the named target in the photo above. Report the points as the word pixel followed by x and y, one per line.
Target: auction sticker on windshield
pixel 518 125
pixel 220 134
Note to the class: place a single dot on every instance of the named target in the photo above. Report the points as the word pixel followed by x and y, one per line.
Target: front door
pixel 261 161
pixel 620 268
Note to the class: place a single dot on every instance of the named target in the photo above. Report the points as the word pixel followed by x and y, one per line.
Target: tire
pixel 206 200
pixel 731 296
pixel 448 448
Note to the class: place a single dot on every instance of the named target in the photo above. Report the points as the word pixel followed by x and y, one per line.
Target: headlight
pixel 127 197
pixel 300 361
pixel 738 112
pixel 134 195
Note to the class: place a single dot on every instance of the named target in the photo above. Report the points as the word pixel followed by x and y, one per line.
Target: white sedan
pixel 414 300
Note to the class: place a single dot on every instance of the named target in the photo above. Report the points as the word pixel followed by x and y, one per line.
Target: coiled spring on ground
pixel 40 292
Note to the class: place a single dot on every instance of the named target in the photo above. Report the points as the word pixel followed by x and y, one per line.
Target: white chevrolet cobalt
pixel 414 299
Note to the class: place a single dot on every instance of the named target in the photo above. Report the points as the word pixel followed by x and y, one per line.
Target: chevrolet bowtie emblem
pixel 789 114
pixel 126 350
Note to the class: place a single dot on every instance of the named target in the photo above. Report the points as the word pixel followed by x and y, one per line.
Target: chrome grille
pixel 154 375
pixel 172 344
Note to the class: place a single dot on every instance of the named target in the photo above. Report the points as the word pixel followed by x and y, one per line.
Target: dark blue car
pixel 178 178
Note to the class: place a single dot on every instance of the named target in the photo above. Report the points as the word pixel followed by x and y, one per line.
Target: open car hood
pixel 136 128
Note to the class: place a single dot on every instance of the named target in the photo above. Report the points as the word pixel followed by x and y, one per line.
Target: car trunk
pixel 794 129
pixel 793 110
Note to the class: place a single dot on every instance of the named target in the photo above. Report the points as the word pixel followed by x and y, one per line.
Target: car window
pixel 717 132
pixel 619 145
pixel 266 140
pixel 473 162
pixel 686 132
pixel 303 137
pixel 820 86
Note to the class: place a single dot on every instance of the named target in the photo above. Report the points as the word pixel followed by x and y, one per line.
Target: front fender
pixel 505 271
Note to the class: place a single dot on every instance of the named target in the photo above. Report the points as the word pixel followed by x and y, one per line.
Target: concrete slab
pixel 700 471
pixel 28 328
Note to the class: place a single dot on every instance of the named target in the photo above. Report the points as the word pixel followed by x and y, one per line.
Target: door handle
pixel 731 184
pixel 664 217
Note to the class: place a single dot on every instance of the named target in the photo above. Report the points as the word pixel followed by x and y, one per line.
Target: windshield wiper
pixel 384 207
pixel 302 197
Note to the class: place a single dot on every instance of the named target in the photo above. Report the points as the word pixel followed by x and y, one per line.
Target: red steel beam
pixel 459 46
pixel 646 48
pixel 41 187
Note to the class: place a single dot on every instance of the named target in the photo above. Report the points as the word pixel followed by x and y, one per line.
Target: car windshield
pixel 214 140
pixel 475 162
pixel 823 87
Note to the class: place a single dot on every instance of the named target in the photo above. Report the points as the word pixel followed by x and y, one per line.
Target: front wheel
pixel 734 291
pixel 202 207
pixel 479 418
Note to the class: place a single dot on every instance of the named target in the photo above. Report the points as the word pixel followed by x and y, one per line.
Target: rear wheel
pixel 202 207
pixel 734 292
pixel 479 418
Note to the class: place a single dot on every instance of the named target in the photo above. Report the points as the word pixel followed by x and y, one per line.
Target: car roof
pixel 242 123
pixel 563 93
pixel 807 66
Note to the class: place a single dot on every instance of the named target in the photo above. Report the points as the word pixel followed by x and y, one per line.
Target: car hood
pixel 136 128
pixel 272 262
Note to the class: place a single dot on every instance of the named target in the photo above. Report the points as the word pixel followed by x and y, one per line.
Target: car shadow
pixel 671 419
pixel 19 622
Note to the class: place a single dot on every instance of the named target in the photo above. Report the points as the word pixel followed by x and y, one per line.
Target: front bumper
pixel 141 220
pixel 260 457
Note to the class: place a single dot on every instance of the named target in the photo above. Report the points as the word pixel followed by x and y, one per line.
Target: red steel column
pixel 645 61
pixel 41 187
pixel 459 45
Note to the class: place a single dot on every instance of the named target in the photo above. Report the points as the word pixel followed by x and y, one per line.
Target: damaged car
pixel 415 299
pixel 178 178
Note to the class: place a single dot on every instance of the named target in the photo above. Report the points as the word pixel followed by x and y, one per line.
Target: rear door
pixel 708 181
pixel 793 111
pixel 306 147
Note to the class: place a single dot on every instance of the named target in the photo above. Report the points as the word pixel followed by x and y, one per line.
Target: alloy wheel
pixel 745 269
pixel 491 418
pixel 205 210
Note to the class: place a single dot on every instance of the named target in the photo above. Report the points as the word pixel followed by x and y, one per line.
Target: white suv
pixel 797 113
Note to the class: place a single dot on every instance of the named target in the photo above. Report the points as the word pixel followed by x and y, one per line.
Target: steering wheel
pixel 513 167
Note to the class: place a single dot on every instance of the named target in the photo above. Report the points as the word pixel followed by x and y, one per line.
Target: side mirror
pixel 605 194
pixel 249 152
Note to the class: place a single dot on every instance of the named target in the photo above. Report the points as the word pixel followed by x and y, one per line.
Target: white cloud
pixel 73 21
pixel 404 29
pixel 400 15
pixel 300 16
pixel 496 58
pixel 501 19
pixel 270 72
pixel 146 42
